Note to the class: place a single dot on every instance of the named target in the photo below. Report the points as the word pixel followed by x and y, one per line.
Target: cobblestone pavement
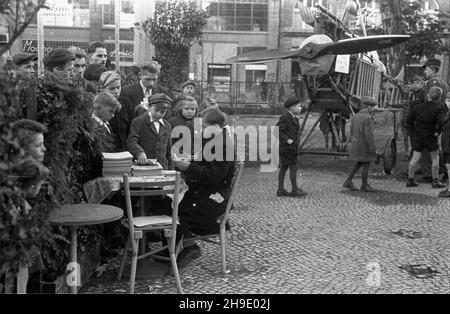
pixel 332 241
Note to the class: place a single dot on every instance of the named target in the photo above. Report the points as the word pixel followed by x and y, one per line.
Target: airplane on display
pixel 339 69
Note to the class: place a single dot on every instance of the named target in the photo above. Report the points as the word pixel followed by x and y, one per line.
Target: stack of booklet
pixel 116 164
pixel 153 168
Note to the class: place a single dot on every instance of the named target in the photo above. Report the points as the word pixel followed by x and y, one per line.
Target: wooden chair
pixel 138 225
pixel 221 237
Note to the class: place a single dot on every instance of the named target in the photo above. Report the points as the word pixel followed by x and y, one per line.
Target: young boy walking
pixel 288 136
pixel 363 148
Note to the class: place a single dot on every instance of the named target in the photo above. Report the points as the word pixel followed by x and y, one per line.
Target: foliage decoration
pixel 67 114
pixel 175 27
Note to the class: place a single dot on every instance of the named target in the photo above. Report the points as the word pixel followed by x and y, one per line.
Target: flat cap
pixel 435 62
pixel 292 101
pixel 188 83
pixel 160 100
pixel 418 78
pixel 58 55
pixel 23 57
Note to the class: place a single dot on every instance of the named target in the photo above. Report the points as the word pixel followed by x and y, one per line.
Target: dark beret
pixel 435 62
pixel 23 57
pixel 160 100
pixel 58 55
pixel 292 101
pixel 418 78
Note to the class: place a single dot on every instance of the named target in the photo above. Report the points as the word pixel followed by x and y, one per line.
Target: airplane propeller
pixel 313 50
pixel 351 46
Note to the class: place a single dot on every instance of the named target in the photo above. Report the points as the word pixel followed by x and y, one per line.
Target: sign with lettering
pixel 30 46
pixel 342 63
pixel 60 13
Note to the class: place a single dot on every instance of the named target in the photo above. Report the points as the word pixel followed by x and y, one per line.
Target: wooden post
pixel 40 42
pixel 117 32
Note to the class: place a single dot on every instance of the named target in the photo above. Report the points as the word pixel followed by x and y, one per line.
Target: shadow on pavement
pixel 389 198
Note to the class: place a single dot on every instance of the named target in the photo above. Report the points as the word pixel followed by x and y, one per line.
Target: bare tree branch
pixel 19 31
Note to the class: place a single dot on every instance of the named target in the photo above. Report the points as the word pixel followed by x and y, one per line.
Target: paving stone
pixel 318 244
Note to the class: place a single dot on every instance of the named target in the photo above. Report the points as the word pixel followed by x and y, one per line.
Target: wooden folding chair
pixel 138 225
pixel 222 237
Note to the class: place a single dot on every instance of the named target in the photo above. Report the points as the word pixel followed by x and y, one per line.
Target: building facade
pixel 79 23
pixel 234 27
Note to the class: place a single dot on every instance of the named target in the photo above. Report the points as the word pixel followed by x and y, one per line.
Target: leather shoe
pixel 411 184
pixel 282 193
pixel 444 193
pixel 438 185
pixel 298 193
pixel 350 186
pixel 367 188
pixel 188 255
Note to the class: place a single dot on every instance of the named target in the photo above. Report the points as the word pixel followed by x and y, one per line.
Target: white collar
pixel 144 89
pixel 101 122
pixel 152 120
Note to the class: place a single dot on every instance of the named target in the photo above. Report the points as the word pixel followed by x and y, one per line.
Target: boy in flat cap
pixel 288 127
pixel 426 119
pixel 363 149
pixel 150 133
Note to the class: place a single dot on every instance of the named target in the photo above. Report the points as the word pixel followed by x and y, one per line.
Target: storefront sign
pixel 31 45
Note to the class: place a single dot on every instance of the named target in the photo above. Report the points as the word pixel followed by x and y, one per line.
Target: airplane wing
pixel 260 56
pixel 350 46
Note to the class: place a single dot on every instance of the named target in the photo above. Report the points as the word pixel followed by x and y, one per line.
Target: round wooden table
pixel 74 215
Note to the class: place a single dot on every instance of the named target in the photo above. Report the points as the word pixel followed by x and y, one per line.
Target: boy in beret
pixel 59 63
pixel 23 65
pixel 288 127
pixel 150 133
pixel 363 149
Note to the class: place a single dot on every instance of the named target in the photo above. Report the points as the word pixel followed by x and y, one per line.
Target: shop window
pixel 127 14
pixel 236 15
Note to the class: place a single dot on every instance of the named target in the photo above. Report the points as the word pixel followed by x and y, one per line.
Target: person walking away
pixel 426 120
pixel 363 148
pixel 288 150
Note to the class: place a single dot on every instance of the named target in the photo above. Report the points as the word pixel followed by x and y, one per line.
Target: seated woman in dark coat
pixel 209 181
